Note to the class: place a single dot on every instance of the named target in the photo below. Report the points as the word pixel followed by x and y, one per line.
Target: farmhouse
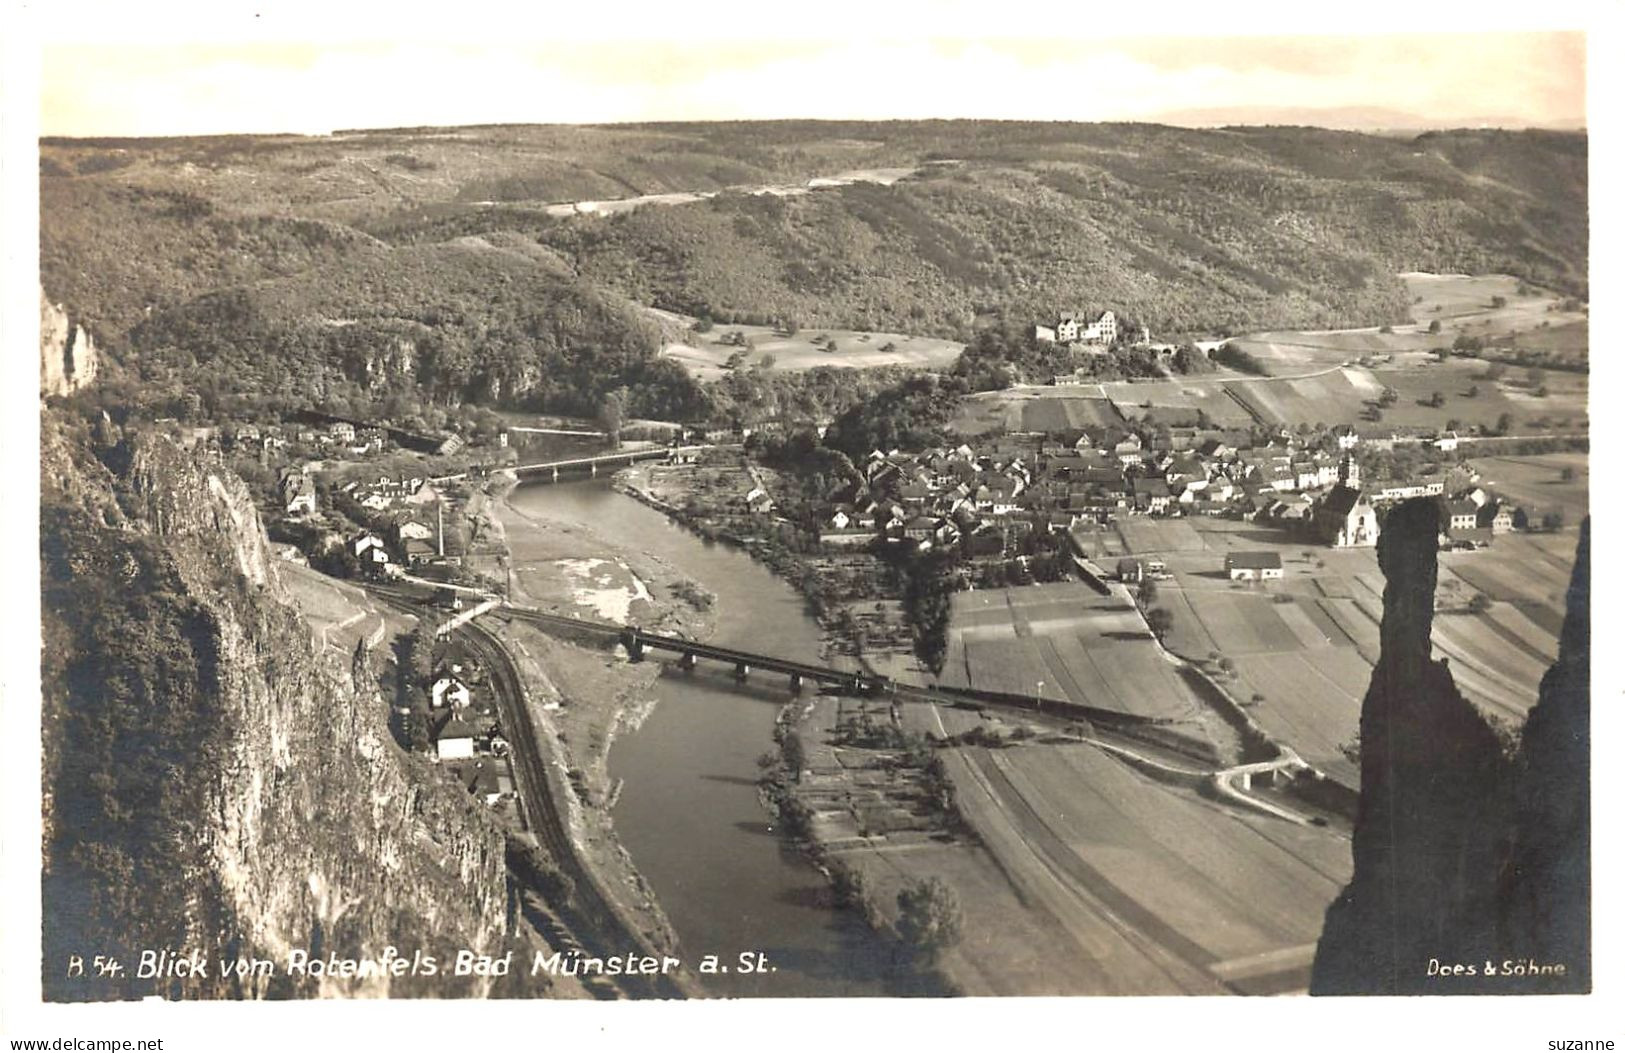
pixel 1254 566
pixel 408 528
pixel 920 528
pixel 1498 516
pixel 1403 491
pixel 1459 516
pixel 417 551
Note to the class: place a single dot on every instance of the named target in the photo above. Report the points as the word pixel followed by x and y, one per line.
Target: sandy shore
pixel 582 697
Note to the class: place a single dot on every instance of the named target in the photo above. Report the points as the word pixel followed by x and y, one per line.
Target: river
pixel 689 812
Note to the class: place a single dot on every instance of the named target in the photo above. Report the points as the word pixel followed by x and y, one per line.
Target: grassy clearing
pixel 339 613
pixel 706 356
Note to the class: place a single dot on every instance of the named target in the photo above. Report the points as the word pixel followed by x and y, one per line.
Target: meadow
pixel 705 356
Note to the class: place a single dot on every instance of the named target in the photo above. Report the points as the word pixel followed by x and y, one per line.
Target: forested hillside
pixel 364 265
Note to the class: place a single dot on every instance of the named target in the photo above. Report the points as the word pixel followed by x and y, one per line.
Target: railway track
pixel 593 925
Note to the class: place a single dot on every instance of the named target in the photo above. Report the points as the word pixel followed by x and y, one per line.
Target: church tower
pixel 1348 473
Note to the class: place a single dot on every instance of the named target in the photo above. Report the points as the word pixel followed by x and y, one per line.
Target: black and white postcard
pixel 888 515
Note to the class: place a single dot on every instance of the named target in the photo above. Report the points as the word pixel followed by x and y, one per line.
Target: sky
pixel 230 67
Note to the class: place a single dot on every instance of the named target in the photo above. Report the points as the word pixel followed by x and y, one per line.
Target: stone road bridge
pixel 545 471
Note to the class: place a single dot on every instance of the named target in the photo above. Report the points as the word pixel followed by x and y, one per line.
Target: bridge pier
pixel 741 670
pixel 795 683
pixel 633 644
pixel 687 662
pixel 592 469
pixel 555 475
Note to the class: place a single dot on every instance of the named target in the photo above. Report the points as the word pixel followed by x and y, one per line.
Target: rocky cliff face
pixel 68 357
pixel 213 781
pixel 1468 859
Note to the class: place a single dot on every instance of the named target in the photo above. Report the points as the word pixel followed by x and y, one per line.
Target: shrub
pixel 929 919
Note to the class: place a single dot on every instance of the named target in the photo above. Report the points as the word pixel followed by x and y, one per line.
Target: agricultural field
pixel 1066 414
pixel 1064 641
pixel 1563 408
pixel 1148 534
pixel 1341 396
pixel 1178 402
pixel 1034 408
pixel 705 357
pixel 1135 871
pixel 1299 652
pixel 1334 397
pixel 1291 353
pixel 1536 482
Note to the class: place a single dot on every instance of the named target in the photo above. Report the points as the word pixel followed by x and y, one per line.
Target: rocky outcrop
pixel 1471 861
pixel 214 781
pixel 67 356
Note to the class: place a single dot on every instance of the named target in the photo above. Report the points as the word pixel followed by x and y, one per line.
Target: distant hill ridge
pixel 1183 229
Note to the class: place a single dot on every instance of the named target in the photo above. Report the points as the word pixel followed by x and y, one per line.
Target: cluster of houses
pixel 983 497
pixel 467 739
pixel 386 493
pixel 247 437
pixel 1007 487
pixel 417 541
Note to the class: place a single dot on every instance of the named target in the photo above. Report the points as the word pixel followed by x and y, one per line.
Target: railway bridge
pixel 638 642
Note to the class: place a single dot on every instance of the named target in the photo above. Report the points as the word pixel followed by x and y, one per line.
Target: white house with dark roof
pixel 449 691
pixel 1254 566
pixel 455 740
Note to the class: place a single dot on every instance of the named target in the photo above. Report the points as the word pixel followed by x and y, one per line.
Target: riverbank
pixel 860 627
pixel 869 805
pixel 582 698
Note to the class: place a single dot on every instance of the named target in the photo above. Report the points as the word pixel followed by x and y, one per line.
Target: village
pixel 989 500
